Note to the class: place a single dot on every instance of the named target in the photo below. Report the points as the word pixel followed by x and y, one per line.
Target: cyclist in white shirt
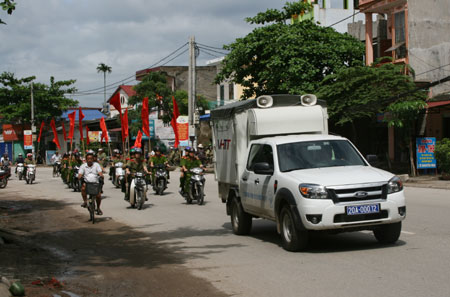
pixel 56 157
pixel 91 173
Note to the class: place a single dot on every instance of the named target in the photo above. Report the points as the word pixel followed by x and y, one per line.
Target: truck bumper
pixel 326 215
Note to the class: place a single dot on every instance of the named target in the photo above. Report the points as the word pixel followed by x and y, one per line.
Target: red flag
pixel 138 141
pixel 40 131
pixel 72 125
pixel 144 117
pixel 173 122
pixel 64 130
pixel 80 123
pixel 125 124
pixel 104 130
pixel 115 101
pixel 55 134
pixel 87 136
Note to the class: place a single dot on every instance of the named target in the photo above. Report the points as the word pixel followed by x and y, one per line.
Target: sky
pixel 67 39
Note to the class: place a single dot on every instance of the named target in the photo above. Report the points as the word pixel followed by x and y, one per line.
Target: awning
pixel 438 103
pixel 394 47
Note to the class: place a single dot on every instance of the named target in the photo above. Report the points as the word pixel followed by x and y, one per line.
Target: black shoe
pixel 126 198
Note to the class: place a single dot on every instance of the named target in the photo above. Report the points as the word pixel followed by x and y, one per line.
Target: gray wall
pixel 429 40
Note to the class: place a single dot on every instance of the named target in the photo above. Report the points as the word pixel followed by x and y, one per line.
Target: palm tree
pixel 102 67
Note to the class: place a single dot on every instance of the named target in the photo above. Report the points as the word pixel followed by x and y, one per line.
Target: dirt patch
pixel 46 239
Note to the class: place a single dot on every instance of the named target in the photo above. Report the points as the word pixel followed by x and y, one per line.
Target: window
pixel 260 154
pixel 122 100
pixel 322 3
pixel 222 92
pixel 399 19
pixel 340 4
pixel 230 91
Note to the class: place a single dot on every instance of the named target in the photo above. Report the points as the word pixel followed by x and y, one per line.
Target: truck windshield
pixel 317 154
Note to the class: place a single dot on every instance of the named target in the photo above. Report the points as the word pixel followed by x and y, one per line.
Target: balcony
pixel 380 6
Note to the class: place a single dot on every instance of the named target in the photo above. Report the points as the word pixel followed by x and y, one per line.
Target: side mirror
pixel 263 168
pixel 372 159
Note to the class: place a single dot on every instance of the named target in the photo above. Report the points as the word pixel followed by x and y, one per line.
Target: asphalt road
pixel 349 264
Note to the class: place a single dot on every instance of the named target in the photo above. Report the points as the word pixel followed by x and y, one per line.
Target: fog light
pixel 315 219
pixel 402 211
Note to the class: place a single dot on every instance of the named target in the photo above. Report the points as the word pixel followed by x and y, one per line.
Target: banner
pixel 9 133
pixel 27 139
pixel 425 152
pixel 94 136
pixel 183 130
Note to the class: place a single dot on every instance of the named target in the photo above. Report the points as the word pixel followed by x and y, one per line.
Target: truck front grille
pixel 361 192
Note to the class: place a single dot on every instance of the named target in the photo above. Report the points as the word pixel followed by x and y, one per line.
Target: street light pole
pixel 33 127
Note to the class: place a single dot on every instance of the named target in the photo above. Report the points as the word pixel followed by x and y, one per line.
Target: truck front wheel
pixel 293 239
pixel 240 220
pixel 388 233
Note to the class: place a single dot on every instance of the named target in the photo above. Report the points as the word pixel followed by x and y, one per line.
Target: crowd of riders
pixel 73 165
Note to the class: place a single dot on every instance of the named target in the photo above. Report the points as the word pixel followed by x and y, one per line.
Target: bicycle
pixel 92 190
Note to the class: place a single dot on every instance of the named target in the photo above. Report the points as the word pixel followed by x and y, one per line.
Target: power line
pixel 212 55
pixel 344 19
pixel 132 76
pixel 222 53
pixel 212 47
pixel 175 57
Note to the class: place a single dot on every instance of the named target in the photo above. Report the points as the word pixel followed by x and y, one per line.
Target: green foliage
pixel 102 67
pixel 9 6
pixel 362 92
pixel 274 15
pixel 49 100
pixel 288 59
pixel 442 154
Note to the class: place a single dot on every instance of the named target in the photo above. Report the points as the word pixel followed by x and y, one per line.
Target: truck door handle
pixel 244 178
pixel 256 181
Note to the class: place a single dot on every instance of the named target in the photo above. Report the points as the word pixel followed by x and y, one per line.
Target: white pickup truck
pixel 274 159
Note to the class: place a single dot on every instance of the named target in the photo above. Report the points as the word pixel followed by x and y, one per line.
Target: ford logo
pixel 361 194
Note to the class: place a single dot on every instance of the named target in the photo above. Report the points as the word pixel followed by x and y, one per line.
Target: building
pixel 125 91
pixel 178 78
pixel 414 33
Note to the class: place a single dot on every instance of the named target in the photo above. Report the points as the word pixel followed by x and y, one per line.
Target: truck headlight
pixel 394 185
pixel 313 191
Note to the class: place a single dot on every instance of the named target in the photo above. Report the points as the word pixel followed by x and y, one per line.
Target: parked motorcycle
pixel 160 182
pixel 196 187
pixel 138 191
pixel 20 170
pixel 3 178
pixel 119 174
pixel 30 174
pixel 76 183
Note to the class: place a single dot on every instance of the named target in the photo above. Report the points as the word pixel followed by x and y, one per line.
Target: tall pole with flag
pixel 72 126
pixel 115 101
pixel 145 122
pixel 80 127
pixel 105 134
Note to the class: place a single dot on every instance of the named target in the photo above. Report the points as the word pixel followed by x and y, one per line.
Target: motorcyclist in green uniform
pixel 64 167
pixel 190 161
pixel 102 158
pixel 76 161
pixel 134 165
pixel 158 159
pixel 115 159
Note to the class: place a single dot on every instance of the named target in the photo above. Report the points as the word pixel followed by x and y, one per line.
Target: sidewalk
pixel 426 181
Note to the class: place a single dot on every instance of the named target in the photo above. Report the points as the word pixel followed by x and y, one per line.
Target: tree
pixel 102 67
pixel 361 92
pixel 278 58
pixel 9 6
pixel 49 100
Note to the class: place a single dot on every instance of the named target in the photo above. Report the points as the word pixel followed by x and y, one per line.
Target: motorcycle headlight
pixel 394 185
pixel 313 191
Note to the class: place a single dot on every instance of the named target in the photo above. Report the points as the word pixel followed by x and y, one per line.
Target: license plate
pixel 362 209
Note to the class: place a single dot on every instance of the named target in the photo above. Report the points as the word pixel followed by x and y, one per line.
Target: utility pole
pixel 192 88
pixel 33 127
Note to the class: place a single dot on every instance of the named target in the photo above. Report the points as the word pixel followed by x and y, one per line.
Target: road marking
pixel 409 233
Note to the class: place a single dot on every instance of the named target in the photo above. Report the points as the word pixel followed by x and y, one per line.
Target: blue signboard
pixel 425 152
pixel 152 128
pixel 6 148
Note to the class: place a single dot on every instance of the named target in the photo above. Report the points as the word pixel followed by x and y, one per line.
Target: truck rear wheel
pixel 388 233
pixel 240 220
pixel 293 239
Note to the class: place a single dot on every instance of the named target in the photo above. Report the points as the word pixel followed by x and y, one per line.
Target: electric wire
pixel 212 47
pixel 222 53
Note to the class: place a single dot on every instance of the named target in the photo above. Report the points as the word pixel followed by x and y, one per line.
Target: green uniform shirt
pixel 158 160
pixel 75 163
pixel 192 163
pixel 136 165
pixel 28 162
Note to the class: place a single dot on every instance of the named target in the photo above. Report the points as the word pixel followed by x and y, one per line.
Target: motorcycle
pixel 138 190
pixel 31 173
pixel 76 183
pixel 160 182
pixel 119 174
pixel 3 178
pixel 196 187
pixel 20 169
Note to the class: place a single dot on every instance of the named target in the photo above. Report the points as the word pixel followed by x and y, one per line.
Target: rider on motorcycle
pixel 158 159
pixel 91 173
pixel 102 158
pixel 76 161
pixel 29 160
pixel 136 164
pixel 19 160
pixel 115 159
pixel 187 163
